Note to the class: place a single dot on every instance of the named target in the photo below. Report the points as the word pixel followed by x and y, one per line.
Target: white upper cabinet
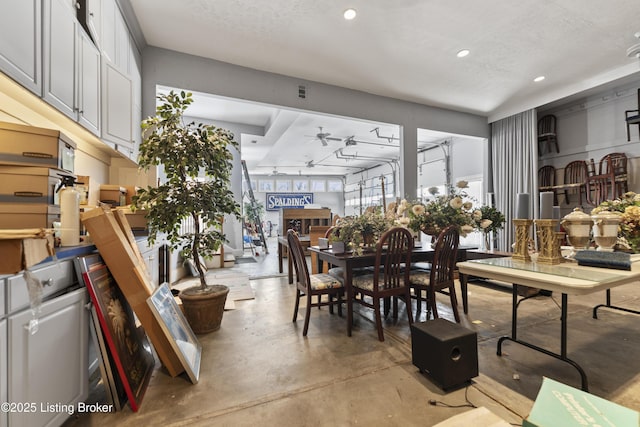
pixel 71 66
pixel 21 42
pixel 88 83
pixel 117 105
pixel 60 64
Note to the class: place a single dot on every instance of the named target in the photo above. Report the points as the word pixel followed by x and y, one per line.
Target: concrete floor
pixel 259 370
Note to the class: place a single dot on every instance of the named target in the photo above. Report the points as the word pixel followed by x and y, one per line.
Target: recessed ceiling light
pixel 349 14
pixel 462 53
pixel 538 79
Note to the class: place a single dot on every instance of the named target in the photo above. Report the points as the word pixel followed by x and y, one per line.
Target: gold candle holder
pixel 521 250
pixel 549 241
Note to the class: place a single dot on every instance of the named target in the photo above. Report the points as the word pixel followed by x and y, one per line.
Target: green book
pixel 558 404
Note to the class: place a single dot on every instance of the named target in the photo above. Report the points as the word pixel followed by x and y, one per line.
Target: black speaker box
pixel 445 350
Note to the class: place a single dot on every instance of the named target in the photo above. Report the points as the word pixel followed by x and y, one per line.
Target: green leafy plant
pixel 365 229
pixel 253 212
pixel 197 164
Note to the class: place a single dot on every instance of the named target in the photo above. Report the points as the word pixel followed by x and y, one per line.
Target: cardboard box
pixel 126 268
pixel 19 251
pixel 28 184
pixel 131 191
pixel 558 404
pixel 24 215
pixel 113 195
pixel 137 220
pixel 34 146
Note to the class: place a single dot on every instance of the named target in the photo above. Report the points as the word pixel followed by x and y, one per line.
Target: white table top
pixel 568 278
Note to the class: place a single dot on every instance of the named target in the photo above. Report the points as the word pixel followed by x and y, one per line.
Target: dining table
pixel 349 261
pixel 566 278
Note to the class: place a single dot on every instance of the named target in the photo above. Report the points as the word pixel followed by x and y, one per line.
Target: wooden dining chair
pixel 389 279
pixel 309 285
pixel 575 180
pixel 440 278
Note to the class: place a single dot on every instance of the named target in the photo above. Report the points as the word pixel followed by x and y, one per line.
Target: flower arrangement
pixel 628 206
pixel 431 217
pixel 362 230
pixel 488 219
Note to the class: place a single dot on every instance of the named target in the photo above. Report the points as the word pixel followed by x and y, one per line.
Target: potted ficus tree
pixel 197 166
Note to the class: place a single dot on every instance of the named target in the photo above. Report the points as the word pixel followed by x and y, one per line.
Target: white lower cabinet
pixel 48 367
pixel 3 370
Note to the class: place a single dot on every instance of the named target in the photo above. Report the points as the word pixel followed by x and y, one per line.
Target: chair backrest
pixel 546 176
pixel 547 125
pixel 296 251
pixel 615 163
pixel 393 254
pixel 599 187
pixel 444 258
pixel 575 172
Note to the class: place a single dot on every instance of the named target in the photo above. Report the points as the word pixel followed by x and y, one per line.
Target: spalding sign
pixel 276 201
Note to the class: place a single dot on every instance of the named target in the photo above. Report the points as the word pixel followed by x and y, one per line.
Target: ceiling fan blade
pixel 323 141
pixel 331 138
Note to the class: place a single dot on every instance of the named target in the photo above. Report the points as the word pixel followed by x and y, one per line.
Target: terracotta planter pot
pixel 204 310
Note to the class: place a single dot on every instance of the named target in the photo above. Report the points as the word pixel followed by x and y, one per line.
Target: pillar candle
pixel 546 205
pixel 522 206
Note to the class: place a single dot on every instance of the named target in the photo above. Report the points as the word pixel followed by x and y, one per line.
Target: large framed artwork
pixel 301 185
pixel 127 344
pixel 172 321
pixel 114 389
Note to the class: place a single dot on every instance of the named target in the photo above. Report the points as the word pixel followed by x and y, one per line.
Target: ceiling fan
pixel 324 137
pixel 276 173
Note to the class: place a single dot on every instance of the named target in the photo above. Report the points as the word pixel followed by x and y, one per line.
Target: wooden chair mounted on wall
pixel 616 164
pixel 632 117
pixel 547 181
pixel 547 136
pixel 575 179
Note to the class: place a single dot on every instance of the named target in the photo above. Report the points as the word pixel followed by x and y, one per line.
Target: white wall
pixel 593 127
pixel 175 69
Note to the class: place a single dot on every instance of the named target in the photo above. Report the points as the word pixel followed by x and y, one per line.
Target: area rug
pixel 238 284
pixel 245 260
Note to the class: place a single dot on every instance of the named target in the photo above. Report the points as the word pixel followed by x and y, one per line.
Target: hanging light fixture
pixel 634 51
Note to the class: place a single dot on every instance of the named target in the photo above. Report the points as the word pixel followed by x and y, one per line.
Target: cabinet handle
pixel 48 282
pixel 91 14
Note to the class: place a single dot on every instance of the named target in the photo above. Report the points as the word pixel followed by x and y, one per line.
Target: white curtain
pixel 514 157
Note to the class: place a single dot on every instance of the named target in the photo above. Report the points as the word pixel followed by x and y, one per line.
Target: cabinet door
pixel 93 9
pixel 21 42
pixel 88 83
pixel 60 65
pixel 116 105
pixel 3 370
pixel 50 365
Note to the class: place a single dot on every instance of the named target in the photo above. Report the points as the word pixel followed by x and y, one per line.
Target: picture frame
pixel 114 389
pixel 127 344
pixel 300 185
pixel 173 323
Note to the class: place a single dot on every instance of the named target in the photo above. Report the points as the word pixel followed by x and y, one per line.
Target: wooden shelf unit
pixel 302 219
